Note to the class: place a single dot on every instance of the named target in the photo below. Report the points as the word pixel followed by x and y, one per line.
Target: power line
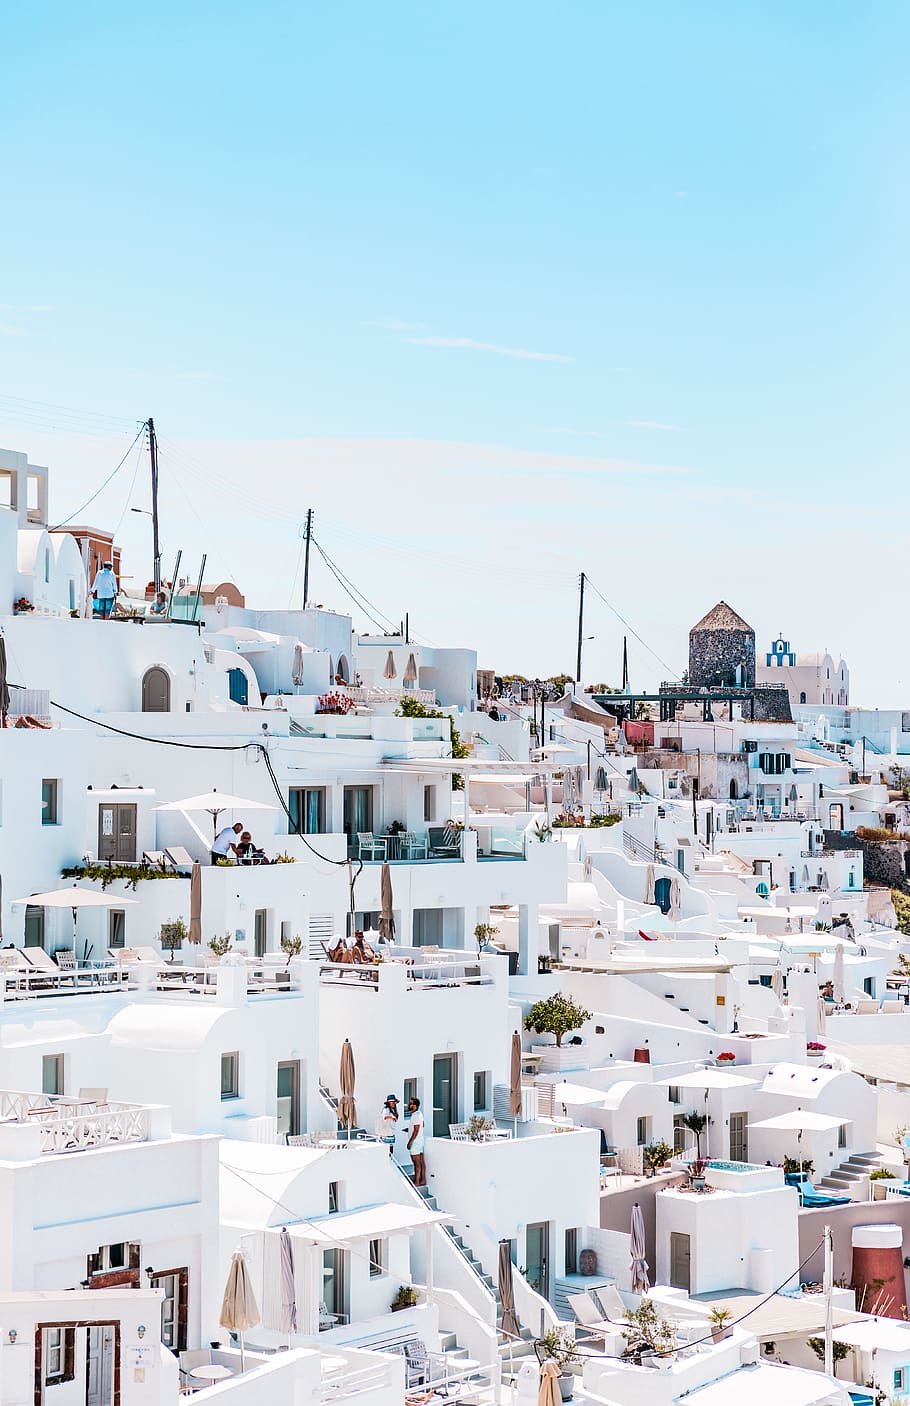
pixel 349 591
pixel 80 511
pixel 629 627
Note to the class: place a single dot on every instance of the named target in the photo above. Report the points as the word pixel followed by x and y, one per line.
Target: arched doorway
pixel 835 816
pixel 343 671
pixel 156 690
pixel 734 789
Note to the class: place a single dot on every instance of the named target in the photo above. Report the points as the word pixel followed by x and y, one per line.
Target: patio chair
pixel 66 960
pixel 196 1357
pixel 411 846
pixel 589 1315
pixel 179 857
pixel 612 1306
pixel 43 966
pixel 893 1008
pixel 417 1362
pixel 867 1007
pixel 327 1320
pixel 98 1097
pixel 444 841
pixel 157 859
pixel 370 846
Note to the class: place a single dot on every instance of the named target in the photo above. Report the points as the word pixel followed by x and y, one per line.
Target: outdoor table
pixel 211 1372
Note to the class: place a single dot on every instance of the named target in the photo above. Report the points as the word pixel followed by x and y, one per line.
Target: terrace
pixel 38 1125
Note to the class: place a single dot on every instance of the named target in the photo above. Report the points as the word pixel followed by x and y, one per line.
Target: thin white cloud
pixel 195 376
pixel 27 307
pixel 8 330
pixel 390 324
pixel 575 434
pixel 469 344
pixel 651 425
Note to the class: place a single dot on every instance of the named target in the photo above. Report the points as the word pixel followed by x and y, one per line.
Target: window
pixel 429 803
pixel 377 1258
pixel 900 1379
pixel 409 1091
pixel 481 1085
pixel 842 1135
pixel 334 1197
pixel 123 1255
pixel 116 928
pixel 230 1075
pixel 49 801
pixel 58 1354
pixel 260 932
pixel 572 1251
pixel 679 1133
pixel 802 698
pixel 673 1092
pixel 358 810
pixel 307 807
pixel 52 1074
pixel 641 1131
pixel 174 1283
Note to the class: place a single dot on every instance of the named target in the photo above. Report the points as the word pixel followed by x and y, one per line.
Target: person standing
pixel 104 590
pixel 387 1122
pixel 223 845
pixel 417 1142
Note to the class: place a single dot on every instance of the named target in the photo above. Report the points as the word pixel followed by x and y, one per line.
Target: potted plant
pixel 484 933
pixel 405 1298
pixel 22 606
pixel 172 936
pixel 292 946
pixel 814 1049
pixel 478 1127
pixel 657 1154
pixel 696 1123
pixel 221 945
pixel 726 1057
pixel 558 1345
pixel 720 1317
pixel 556 1015
pixel 647 1335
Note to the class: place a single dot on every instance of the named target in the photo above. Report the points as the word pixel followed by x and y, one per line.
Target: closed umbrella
pixel 515 1077
pixel 195 933
pixel 649 884
pixel 347 1108
pixel 675 913
pixel 822 1015
pixel 600 779
pixel 777 983
pixel 510 1323
pixel 839 972
pixel 640 1284
pixel 239 1309
pixel 4 684
pixel 297 667
pixel 288 1289
pixel 410 671
pixel 549 1393
pixel 390 672
pixel 387 915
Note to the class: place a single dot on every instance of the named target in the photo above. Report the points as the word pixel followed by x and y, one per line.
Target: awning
pixel 801 1121
pixel 367 1223
pixel 705 1079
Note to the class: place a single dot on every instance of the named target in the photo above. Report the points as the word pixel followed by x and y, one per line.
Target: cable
pixel 345 579
pixel 130 491
pixel 79 511
pixel 347 592
pixel 630 628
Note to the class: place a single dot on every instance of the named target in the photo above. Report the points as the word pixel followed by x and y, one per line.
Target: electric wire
pixel 351 591
pixel 129 495
pixel 112 475
pixel 629 627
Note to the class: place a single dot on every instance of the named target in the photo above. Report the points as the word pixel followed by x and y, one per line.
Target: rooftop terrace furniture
pixel 589 1315
pixel 180 857
pixel 444 841
pixel 893 1007
pixel 370 846
pixel 868 1007
pixel 196 1357
pixel 809 1198
pixel 157 859
pixel 612 1306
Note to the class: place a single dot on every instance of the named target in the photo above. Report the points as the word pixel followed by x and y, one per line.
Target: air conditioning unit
pixel 748 1353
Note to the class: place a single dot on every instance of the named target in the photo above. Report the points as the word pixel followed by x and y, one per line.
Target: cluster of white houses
pixel 186 1074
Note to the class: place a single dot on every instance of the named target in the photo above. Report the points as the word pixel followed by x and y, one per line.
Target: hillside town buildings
pixel 629 971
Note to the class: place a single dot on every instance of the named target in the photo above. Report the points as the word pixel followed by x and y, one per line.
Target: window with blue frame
pixel 307 807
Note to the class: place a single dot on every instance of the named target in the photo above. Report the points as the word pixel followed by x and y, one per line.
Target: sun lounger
pixel 157 859
pixel 589 1315
pixel 611 1305
pixel 809 1198
pixel 180 857
pixel 893 1008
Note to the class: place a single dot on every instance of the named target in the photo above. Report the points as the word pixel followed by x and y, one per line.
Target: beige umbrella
pixel 549 1393
pixel 649 884
pixel 390 672
pixel 347 1108
pixel 410 670
pixel 73 898
pixel 195 933
pixel 510 1325
pixel 515 1077
pixel 239 1309
pixel 839 972
pixel 387 916
pixel 674 913
pixel 777 983
pixel 297 666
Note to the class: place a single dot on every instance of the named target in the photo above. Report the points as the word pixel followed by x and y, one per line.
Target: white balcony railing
pixel 75 1125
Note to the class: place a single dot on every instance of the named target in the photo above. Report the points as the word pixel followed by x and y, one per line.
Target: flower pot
pixel 719 1334
pixel 566 1386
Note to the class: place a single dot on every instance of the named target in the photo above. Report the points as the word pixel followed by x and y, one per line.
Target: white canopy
pixel 215 802
pixel 799 1121
pixel 577 1094
pixel 73 898
pixel 705 1079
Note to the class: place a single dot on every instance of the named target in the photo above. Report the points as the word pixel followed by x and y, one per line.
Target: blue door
pixel 238 689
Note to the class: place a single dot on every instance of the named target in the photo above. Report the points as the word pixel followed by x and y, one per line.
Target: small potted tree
pixel 483 934
pixel 292 947
pixel 558 1346
pixel 172 936
pixel 647 1335
pixel 720 1317
pixel 657 1154
pixel 556 1015
pixel 220 946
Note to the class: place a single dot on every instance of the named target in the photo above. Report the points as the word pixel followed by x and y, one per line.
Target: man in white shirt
pixel 104 590
pixel 417 1142
pixel 223 845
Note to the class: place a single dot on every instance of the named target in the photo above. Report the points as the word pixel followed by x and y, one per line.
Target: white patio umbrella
pixel 239 1309
pixel 215 803
pixel 74 898
pixel 390 672
pixel 640 1284
pixel 839 972
pixel 649 884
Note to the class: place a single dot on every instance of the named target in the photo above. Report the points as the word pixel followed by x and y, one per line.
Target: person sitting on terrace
pixel 341 953
pixel 159 604
pixel 828 991
pixel 362 951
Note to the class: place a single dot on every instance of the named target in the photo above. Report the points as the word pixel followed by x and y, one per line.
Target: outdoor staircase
pixel 848 1178
pixel 510 1351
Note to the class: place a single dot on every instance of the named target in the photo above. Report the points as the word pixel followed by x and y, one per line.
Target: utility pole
pixel 581 625
pixel 625 665
pixel 156 550
pixel 306 556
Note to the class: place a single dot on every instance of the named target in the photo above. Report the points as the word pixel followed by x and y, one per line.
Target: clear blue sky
pixel 504 291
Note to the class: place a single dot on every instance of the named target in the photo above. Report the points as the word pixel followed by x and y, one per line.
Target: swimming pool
pixel 732 1166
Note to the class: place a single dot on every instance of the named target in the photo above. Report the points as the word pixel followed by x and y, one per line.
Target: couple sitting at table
pixel 358 952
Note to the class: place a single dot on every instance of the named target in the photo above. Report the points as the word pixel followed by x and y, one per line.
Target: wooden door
pixel 680 1260
pixel 99 1377
pixel 117 833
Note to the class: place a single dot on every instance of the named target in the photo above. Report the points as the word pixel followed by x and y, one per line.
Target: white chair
pixel 611 1305
pixel 370 846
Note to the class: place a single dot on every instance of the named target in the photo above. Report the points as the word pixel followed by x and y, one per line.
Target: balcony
pixel 39 1125
pixel 410 969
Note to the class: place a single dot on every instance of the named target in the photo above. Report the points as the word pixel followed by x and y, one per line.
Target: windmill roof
pixel 722 617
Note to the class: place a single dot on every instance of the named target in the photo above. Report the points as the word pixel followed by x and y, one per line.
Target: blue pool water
pixel 732 1166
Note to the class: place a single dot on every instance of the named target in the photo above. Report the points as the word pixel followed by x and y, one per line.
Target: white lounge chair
pixel 611 1305
pixel 589 1315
